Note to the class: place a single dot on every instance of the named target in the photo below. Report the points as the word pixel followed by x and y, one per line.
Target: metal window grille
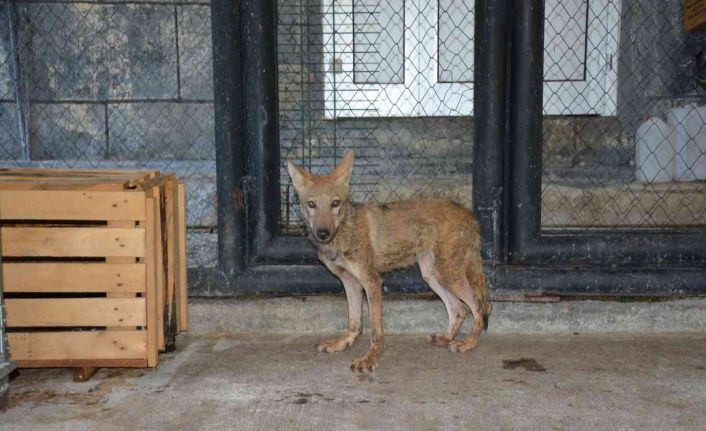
pixel 619 168
pixel 393 80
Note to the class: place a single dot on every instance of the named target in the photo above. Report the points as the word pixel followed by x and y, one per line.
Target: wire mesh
pixel 636 159
pixel 128 84
pixel 393 80
pixel 351 77
pixel 87 84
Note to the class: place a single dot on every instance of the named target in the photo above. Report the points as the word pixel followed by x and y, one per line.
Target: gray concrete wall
pixel 121 84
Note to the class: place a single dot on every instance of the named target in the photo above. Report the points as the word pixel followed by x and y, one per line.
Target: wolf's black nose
pixel 323 234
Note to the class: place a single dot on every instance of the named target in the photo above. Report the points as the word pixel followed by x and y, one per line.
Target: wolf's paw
pixel 335 345
pixel 462 346
pixel 439 340
pixel 366 363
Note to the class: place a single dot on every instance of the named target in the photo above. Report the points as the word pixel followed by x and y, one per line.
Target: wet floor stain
pixel 529 364
pixel 515 381
pixel 304 397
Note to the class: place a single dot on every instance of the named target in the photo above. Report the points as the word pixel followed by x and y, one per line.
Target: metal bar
pixel 527 53
pixel 286 249
pixel 593 279
pixel 515 279
pixel 230 152
pixel 673 249
pixel 489 108
pixel 112 101
pixel 261 124
pixel 294 280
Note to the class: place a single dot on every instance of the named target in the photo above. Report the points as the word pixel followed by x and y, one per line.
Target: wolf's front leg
pixel 373 290
pixel 354 295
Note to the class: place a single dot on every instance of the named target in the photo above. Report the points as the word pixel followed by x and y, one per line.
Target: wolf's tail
pixel 481 292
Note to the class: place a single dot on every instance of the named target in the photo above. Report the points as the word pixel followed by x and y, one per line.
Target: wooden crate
pixel 169 196
pixel 94 266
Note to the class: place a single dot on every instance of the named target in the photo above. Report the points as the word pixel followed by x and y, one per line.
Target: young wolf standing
pixel 359 242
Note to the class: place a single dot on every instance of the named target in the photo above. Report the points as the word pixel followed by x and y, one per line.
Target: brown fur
pixel 368 240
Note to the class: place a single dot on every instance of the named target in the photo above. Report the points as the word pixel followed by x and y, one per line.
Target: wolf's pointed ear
pixel 301 178
pixel 342 173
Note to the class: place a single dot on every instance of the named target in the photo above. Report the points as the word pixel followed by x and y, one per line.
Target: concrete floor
pixel 280 382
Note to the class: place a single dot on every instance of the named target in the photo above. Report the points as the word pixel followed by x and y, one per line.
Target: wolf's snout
pixel 323 234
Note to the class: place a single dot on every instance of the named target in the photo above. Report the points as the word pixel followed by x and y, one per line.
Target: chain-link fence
pixel 128 84
pixel 354 76
pixel 86 84
pixel 637 159
pixel 393 80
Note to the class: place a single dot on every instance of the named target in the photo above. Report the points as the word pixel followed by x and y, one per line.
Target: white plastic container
pixel 689 124
pixel 654 151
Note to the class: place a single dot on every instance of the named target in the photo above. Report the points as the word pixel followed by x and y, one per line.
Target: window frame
pixel 423 95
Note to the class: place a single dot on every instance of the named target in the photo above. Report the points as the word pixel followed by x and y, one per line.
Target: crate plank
pixel 73 277
pixel 87 184
pixel 181 259
pixel 71 363
pixel 71 205
pixel 159 263
pixel 171 249
pixel 111 260
pixel 91 173
pixel 55 312
pixel 77 345
pixel 151 294
pixel 72 242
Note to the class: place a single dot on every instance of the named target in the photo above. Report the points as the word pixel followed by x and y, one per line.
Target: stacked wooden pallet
pixel 94 266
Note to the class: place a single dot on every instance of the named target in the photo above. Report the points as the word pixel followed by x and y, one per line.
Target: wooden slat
pixel 112 260
pixel 54 312
pixel 151 276
pixel 159 181
pixel 72 242
pixel 72 179
pixel 181 259
pixel 64 179
pixel 160 280
pixel 170 230
pixel 92 173
pixel 70 363
pixel 88 184
pixel 71 205
pixel 77 345
pixel 73 277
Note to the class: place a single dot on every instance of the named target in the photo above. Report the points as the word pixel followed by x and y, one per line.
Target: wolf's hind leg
pixel 354 295
pixel 454 307
pixel 463 289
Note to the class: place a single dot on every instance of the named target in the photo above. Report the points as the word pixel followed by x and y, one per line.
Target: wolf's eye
pixel 311 204
pixel 336 203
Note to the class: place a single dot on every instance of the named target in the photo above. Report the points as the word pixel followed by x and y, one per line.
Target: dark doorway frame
pixel 254 258
pixel 607 261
